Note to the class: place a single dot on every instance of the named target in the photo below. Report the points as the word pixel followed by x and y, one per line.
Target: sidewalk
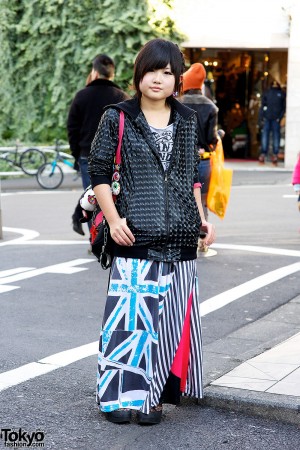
pixel 264 378
pixel 267 382
pixel 254 165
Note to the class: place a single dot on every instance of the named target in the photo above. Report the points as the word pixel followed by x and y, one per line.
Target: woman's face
pixel 158 84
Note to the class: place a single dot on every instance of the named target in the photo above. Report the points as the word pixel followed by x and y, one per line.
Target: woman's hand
pixel 210 231
pixel 120 232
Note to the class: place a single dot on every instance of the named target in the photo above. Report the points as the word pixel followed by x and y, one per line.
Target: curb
pixel 271 406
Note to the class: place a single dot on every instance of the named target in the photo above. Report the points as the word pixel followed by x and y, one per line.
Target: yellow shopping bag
pixel 220 183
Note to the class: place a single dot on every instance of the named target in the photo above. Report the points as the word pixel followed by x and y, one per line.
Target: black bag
pixel 100 239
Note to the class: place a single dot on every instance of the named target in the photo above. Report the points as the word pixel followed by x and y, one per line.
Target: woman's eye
pixel 168 72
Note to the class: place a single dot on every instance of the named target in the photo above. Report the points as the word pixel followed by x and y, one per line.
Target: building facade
pixel 245 46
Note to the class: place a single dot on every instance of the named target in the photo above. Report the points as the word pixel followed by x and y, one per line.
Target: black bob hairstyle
pixel 157 54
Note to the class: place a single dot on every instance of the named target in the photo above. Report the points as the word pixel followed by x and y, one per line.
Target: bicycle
pixel 50 175
pixel 28 160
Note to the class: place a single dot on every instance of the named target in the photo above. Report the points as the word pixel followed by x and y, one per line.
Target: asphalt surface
pixel 59 313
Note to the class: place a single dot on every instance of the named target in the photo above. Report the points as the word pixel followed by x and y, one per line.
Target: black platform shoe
pixel 119 416
pixel 153 418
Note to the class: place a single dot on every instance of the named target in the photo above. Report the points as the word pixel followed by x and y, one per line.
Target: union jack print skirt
pixel 150 348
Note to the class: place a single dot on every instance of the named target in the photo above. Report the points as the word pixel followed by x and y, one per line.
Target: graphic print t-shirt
pixel 164 142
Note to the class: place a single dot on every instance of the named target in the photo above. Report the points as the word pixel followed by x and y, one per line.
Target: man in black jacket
pixel 207 117
pixel 84 117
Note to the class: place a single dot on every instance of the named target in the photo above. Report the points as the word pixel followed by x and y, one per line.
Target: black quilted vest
pixel 159 206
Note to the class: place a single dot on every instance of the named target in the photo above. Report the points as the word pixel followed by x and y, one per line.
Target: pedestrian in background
pixel 150 349
pixel 296 179
pixel 271 112
pixel 84 116
pixel 207 117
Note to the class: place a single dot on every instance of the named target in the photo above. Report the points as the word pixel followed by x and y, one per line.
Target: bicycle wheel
pixel 5 166
pixel 50 176
pixel 31 160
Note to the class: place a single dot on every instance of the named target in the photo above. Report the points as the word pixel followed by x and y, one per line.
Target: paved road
pixel 52 301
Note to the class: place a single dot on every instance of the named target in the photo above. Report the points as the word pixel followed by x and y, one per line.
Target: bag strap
pixel 99 216
pixel 121 130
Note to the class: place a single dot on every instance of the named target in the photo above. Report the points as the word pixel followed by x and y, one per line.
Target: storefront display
pixel 236 79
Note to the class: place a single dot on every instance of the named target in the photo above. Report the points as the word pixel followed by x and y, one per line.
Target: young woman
pixel 150 349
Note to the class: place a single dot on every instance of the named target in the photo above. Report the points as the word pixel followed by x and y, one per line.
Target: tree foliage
pixel 47 47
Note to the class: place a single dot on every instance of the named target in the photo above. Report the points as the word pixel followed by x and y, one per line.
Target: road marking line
pixel 66 268
pixel 254 248
pixel 223 299
pixel 8 194
pixel 9 272
pixel 62 359
pixel 32 370
pixel 49 242
pixel 28 236
pixel 7 288
pixel 67 357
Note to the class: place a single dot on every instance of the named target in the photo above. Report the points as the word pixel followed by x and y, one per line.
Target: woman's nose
pixel 157 76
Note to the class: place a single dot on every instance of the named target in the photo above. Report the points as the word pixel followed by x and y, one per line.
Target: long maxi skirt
pixel 150 348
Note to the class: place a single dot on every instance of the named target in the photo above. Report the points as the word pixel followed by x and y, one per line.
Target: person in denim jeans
pixel 84 116
pixel 271 112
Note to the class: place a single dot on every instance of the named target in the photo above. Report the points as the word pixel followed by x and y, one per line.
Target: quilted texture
pixel 159 206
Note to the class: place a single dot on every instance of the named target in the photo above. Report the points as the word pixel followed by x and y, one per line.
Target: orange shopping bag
pixel 220 183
